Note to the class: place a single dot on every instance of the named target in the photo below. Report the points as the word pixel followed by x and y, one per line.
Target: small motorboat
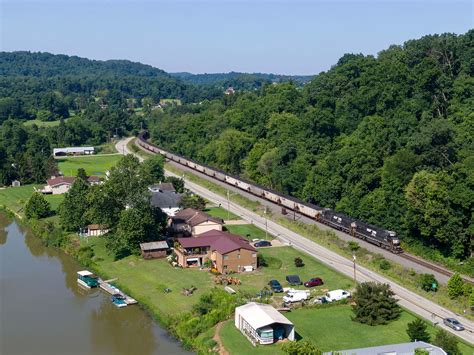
pixel 87 279
pixel 118 300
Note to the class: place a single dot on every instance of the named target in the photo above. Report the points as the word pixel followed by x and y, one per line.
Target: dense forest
pixel 386 139
pixel 240 81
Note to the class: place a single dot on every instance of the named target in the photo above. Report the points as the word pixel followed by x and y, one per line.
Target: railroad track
pixel 434 267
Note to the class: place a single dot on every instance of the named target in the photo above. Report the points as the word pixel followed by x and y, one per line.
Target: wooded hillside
pixel 386 139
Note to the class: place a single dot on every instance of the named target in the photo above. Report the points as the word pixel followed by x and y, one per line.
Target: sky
pixel 284 37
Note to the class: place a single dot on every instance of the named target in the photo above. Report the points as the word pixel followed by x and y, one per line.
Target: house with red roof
pixel 227 252
pixel 61 184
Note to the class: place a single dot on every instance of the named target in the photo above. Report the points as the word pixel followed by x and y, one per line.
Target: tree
pixel 421 351
pixel 37 207
pixel 190 200
pixel 471 300
pixel 447 342
pixel 72 210
pixel 374 304
pixel 136 225
pixel 416 331
pixel 81 174
pixel 152 169
pixel 455 286
pixel 178 183
pixel 305 347
pixel 427 281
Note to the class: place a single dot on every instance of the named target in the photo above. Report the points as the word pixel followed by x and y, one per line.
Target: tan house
pixel 192 222
pixel 62 184
pixel 227 252
pixel 96 230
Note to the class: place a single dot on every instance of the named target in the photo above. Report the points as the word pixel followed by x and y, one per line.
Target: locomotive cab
pixel 395 242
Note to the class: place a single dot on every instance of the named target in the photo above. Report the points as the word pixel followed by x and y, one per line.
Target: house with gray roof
pixel 393 349
pixel 166 199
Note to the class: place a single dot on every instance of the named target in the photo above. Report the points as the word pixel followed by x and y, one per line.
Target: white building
pixel 57 152
pixel 393 349
pixel 263 324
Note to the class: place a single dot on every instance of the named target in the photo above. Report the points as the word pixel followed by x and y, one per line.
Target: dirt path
pixel 217 339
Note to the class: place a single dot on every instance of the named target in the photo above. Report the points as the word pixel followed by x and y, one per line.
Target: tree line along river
pixel 44 311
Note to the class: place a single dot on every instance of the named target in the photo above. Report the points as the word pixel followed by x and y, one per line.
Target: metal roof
pixel 85 273
pixel 72 149
pixel 394 349
pixel 260 315
pixel 154 245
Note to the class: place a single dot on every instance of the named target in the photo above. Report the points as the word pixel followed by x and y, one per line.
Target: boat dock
pixel 112 290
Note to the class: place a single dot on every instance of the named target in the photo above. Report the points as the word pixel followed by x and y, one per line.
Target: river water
pixel 44 311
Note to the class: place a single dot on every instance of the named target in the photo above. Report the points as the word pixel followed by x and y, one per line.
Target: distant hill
pixel 41 64
pixel 240 81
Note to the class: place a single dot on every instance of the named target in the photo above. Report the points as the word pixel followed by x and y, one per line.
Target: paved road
pixel 408 299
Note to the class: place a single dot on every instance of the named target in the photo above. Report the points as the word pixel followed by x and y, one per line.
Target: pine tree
pixel 455 286
pixel 447 342
pixel 37 207
pixel 374 304
pixel 416 330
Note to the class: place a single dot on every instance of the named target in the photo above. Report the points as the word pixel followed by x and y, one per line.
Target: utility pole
pixel 266 223
pixel 354 260
pixel 228 206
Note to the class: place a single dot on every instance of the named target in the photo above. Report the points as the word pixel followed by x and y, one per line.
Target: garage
pixel 263 324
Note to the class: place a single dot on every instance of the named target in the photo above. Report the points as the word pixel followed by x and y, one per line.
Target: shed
pixel 263 324
pixel 153 250
pixel 16 183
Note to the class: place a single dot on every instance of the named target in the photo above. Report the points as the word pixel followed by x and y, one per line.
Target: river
pixel 44 311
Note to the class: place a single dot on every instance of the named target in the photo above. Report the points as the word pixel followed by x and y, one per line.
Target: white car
pixel 333 296
pixel 295 297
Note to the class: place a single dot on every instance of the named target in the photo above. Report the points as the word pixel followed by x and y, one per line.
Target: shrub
pixel 447 342
pixel 261 262
pixel 385 265
pixel 300 347
pixel 455 286
pixel 416 330
pixel 37 207
pixel 421 351
pixel 374 304
pixel 299 262
pixel 353 246
pixel 427 281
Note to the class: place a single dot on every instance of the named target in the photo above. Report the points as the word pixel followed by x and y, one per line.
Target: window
pixel 225 267
pixel 226 257
pixel 238 256
pixel 254 255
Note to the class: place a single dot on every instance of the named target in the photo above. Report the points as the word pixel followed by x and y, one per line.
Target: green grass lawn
pixel 221 213
pixel 331 329
pixel 93 164
pixel 39 123
pixel 15 198
pixel 248 229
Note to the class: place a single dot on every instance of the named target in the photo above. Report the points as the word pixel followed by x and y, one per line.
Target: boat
pixel 118 300
pixel 87 279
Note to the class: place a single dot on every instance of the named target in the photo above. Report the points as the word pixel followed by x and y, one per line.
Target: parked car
pixel 294 280
pixel 275 286
pixel 262 243
pixel 315 281
pixel 453 323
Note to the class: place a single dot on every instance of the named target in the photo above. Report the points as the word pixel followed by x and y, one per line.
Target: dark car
pixel 294 280
pixel 262 243
pixel 316 281
pixel 453 323
pixel 275 286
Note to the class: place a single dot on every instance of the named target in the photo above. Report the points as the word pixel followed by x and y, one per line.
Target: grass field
pixel 248 231
pixel 42 123
pixel 325 327
pixel 219 212
pixel 15 198
pixel 93 165
pixel 146 279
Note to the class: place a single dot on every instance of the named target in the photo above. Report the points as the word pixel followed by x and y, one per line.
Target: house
pixel 163 186
pixel 394 349
pixel 154 249
pixel 192 222
pixel 167 200
pixel 263 324
pixel 230 90
pixel 58 152
pixel 61 184
pixel 96 230
pixel 227 252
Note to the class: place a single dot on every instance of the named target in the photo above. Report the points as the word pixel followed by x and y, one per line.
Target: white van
pixel 337 295
pixel 292 297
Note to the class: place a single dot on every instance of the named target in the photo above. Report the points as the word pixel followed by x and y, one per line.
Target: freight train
pixel 381 237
